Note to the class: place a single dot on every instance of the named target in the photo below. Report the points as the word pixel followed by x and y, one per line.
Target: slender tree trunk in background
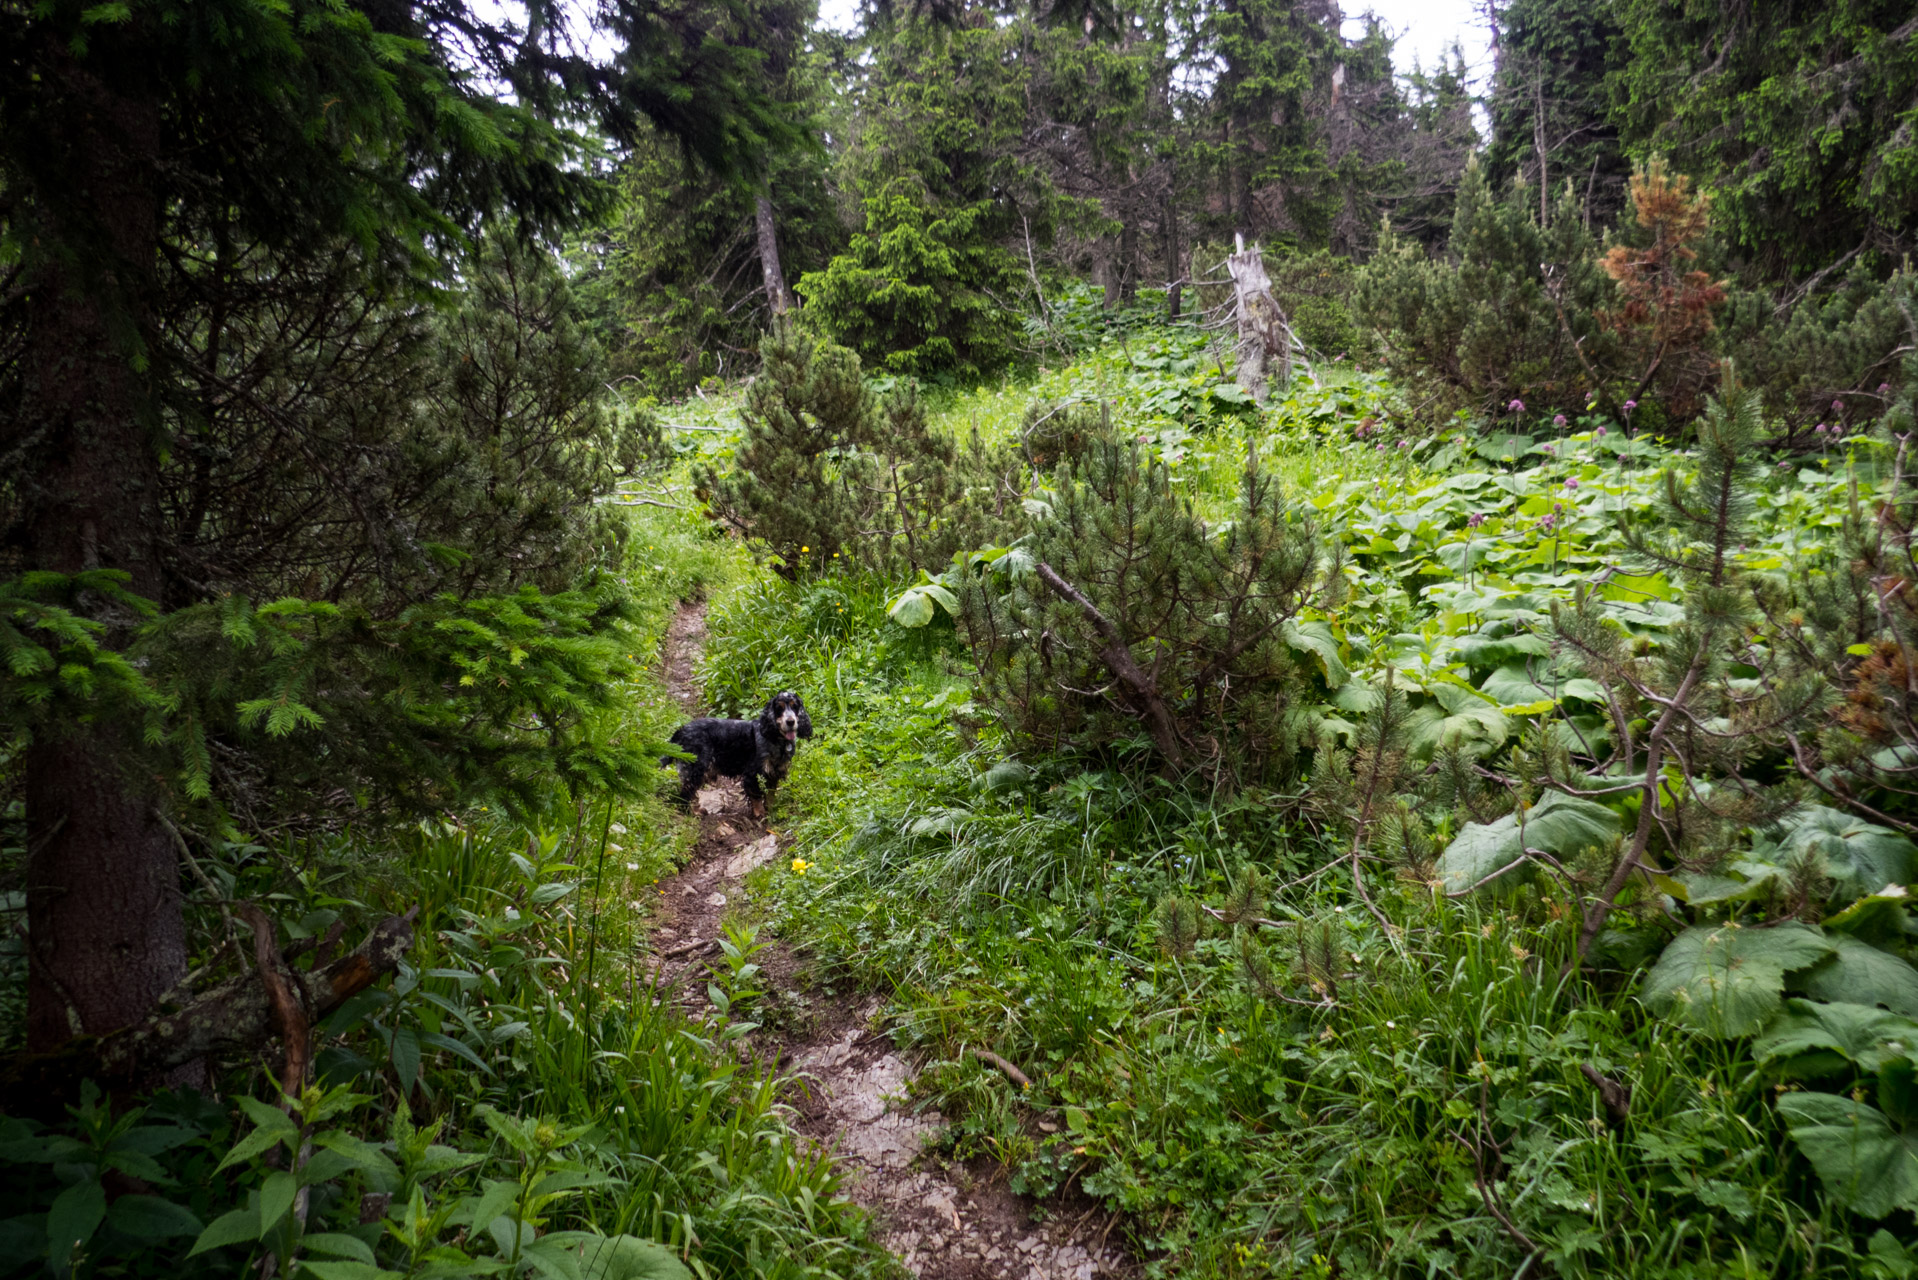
pixel 105 930
pixel 1128 263
pixel 1538 144
pixel 776 294
pixel 1173 275
pixel 1105 271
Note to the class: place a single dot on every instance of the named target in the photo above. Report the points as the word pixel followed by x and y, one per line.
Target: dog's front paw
pixel 757 808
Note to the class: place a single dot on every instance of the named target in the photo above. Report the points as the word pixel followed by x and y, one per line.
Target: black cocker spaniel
pixel 757 752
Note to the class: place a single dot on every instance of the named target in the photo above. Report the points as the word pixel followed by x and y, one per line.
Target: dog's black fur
pixel 757 752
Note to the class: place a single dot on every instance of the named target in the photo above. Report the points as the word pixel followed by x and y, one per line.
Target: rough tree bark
pixel 1263 332
pixel 103 902
pixel 776 295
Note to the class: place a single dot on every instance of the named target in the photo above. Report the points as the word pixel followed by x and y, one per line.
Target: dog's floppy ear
pixel 805 722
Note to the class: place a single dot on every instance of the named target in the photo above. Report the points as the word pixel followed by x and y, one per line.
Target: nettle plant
pixel 1681 816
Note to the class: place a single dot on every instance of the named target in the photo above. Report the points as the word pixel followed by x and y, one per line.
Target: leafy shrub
pixel 1837 357
pixel 494 1112
pixel 1140 621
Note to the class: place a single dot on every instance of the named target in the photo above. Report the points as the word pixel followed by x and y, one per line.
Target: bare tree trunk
pixel 1538 145
pixel 776 295
pixel 1174 276
pixel 1105 271
pixel 1263 332
pixel 1128 263
pixel 105 931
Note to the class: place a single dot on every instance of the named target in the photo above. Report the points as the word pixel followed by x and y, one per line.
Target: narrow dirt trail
pixel 945 1221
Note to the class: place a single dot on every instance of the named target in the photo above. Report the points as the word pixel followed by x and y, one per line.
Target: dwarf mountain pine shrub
pixel 1144 633
pixel 830 475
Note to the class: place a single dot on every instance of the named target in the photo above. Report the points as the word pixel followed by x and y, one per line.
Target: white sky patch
pixel 1424 30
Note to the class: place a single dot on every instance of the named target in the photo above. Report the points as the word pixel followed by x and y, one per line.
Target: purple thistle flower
pixel 1550 448
pixel 1474 520
pixel 1379 447
pixel 1838 406
pixel 1517 406
pixel 1884 388
pixel 1572 483
pixel 1600 433
pixel 1558 419
pixel 1818 430
pixel 1405 444
pixel 1630 405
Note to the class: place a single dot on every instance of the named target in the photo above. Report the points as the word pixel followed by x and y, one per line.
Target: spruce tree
pixel 1799 116
pixel 1551 119
pixel 136 138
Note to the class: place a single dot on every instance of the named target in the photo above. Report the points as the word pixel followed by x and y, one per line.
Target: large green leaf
pixel 1459 718
pixel 240 1226
pixel 915 606
pixel 1560 825
pixel 1859 857
pixel 1506 446
pixel 1497 651
pixel 1463 557
pixel 629 1258
pixel 1316 638
pixel 1811 1039
pixel 1880 919
pixel 1860 973
pixel 1866 1164
pixel 151 1218
pixel 71 1222
pixel 1513 685
pixel 1726 979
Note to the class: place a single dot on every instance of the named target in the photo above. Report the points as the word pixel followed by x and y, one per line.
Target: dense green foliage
pixel 1330 1028
pixel 1800 118
pixel 1452 815
pixel 829 475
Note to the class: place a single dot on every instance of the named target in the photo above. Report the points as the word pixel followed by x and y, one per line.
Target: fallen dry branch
pixel 234 1016
pixel 289 1014
pixel 1012 1073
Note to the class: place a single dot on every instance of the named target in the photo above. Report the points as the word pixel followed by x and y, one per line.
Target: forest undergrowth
pixel 1280 1048
pixel 515 1102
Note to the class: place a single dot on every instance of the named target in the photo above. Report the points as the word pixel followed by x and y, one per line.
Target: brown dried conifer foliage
pixel 1665 301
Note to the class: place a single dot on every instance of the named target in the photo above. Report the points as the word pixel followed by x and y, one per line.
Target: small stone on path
pixel 752 857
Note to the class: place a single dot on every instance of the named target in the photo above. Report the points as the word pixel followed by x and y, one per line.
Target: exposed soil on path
pixel 945 1221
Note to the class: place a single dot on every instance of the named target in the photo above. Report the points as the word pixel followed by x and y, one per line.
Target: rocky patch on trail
pixel 850 1087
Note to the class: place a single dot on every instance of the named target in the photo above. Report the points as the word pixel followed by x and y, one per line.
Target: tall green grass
pixel 1309 1097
